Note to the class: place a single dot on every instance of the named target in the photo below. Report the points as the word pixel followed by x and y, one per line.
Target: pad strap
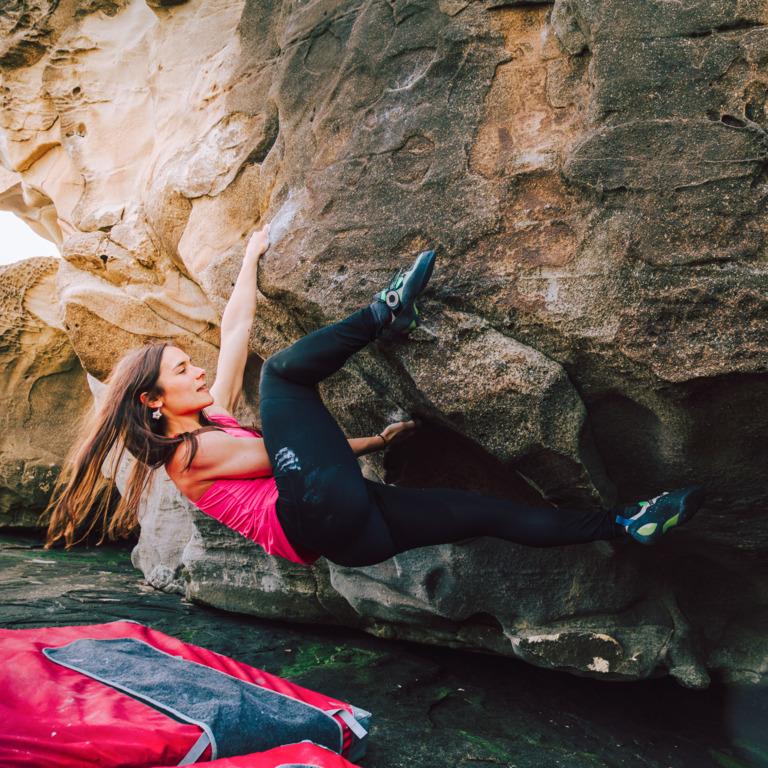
pixel 197 750
pixel 349 721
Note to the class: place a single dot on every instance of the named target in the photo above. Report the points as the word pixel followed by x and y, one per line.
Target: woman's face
pixel 183 384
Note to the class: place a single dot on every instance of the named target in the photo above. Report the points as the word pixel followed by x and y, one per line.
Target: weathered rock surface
pixel 43 394
pixel 592 173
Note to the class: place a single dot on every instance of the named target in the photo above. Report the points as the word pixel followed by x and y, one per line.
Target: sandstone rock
pixel 591 173
pixel 44 392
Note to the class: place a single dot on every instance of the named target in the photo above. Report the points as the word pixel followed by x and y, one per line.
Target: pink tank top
pixel 247 505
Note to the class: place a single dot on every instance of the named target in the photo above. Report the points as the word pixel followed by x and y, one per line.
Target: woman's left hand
pixel 399 431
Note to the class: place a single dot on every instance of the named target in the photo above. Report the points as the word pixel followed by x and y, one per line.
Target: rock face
pixel 592 173
pixel 44 391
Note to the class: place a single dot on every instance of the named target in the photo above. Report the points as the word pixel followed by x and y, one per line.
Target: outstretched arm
pixel 236 324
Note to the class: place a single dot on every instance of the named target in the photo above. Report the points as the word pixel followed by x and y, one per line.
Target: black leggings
pixel 326 506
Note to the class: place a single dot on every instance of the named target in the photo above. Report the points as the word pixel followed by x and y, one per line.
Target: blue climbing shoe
pixel 655 517
pixel 400 295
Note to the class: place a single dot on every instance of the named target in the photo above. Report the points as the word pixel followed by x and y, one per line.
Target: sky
pixel 18 241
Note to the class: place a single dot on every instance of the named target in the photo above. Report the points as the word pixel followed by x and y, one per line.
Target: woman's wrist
pixel 250 262
pixel 384 442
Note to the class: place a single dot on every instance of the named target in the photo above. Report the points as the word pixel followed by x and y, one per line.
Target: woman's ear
pixel 150 403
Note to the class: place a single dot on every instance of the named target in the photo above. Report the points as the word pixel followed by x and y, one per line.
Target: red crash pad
pixel 54 717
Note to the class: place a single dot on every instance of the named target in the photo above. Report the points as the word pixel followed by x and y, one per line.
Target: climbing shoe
pixel 653 518
pixel 400 295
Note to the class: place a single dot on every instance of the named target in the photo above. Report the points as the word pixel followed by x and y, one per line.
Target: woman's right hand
pixel 401 430
pixel 258 243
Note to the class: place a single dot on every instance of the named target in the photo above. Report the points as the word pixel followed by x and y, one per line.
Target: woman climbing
pixel 299 491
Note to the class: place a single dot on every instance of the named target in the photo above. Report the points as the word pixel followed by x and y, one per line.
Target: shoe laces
pixel 393 280
pixel 654 500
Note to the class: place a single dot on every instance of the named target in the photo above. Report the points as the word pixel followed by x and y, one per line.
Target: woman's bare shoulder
pixel 188 478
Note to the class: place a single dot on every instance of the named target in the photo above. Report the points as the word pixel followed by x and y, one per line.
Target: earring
pixel 156 414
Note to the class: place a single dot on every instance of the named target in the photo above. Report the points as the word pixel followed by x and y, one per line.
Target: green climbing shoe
pixel 400 295
pixel 655 517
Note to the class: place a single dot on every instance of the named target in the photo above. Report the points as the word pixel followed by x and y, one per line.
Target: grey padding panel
pixel 239 717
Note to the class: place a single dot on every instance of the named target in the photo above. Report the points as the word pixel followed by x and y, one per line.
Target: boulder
pixel 591 173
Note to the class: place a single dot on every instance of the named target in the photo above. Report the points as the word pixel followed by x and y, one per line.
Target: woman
pixel 299 491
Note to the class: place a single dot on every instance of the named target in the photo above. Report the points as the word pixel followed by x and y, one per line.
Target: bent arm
pixel 221 455
pixel 236 324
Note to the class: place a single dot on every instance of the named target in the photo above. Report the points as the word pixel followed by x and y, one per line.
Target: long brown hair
pixel 122 422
